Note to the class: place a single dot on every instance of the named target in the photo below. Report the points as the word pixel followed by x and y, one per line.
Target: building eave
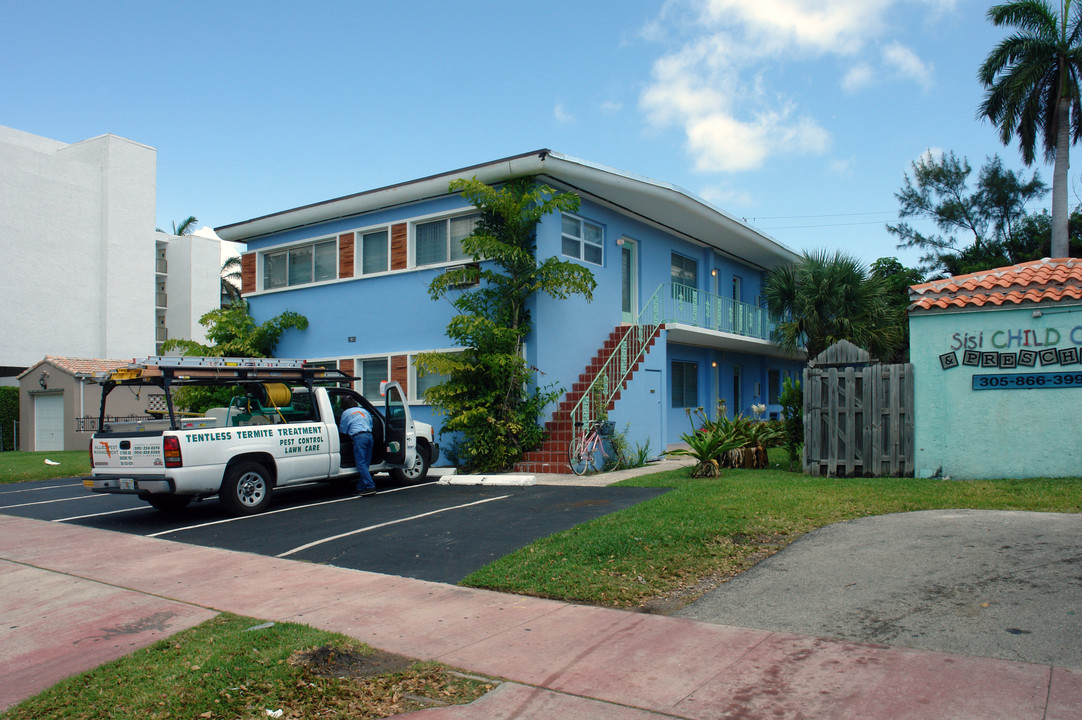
pixel 659 203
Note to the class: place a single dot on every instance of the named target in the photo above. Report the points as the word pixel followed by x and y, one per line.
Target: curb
pixel 504 480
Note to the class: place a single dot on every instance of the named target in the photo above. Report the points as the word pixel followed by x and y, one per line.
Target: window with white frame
pixel 374 250
pixel 373 372
pixel 420 380
pixel 440 241
pixel 301 264
pixel 582 240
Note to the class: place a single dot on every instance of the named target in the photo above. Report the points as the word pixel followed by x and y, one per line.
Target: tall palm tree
pixel 827 297
pixel 1032 83
pixel 231 281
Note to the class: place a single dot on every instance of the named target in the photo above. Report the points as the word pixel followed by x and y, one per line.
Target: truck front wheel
pixel 417 471
pixel 246 489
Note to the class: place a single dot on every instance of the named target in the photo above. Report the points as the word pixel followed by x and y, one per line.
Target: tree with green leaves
pixel 896 279
pixel 186 227
pixel 231 280
pixel 232 332
pixel 1032 83
pixel 971 223
pixel 827 297
pixel 490 394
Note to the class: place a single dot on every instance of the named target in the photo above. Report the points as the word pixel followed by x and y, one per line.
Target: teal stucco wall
pixel 1016 428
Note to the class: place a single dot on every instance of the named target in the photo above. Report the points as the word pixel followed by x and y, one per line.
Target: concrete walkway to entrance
pixel 73 597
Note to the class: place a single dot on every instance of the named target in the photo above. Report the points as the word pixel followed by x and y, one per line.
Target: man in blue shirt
pixel 357 423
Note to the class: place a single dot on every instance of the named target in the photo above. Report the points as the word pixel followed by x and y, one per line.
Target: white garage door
pixel 48 422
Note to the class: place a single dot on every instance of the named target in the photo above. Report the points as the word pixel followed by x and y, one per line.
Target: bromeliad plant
pixel 707 445
pixel 740 442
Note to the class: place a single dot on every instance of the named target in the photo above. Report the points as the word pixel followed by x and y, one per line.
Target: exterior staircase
pixel 596 392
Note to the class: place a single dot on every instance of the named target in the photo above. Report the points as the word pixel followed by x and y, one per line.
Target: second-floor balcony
pixel 698 317
pixel 160 300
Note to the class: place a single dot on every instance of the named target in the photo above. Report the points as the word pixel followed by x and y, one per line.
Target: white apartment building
pixel 84 274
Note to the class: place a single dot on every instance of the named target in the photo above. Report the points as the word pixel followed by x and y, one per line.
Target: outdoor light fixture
pixel 41 380
pixel 1036 313
pixel 714 272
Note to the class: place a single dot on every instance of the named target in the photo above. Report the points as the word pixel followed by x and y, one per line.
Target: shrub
pixel 9 415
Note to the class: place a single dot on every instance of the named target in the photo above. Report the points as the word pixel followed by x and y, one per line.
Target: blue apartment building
pixel 677 320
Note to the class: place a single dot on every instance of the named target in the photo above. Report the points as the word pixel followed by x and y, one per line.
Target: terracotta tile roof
pixel 81 367
pixel 1047 280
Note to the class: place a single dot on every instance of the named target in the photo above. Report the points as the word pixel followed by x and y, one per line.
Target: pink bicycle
pixel 589 440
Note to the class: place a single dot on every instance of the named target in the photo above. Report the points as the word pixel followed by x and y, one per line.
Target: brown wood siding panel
pixel 247 273
pixel 346 366
pixel 345 255
pixel 399 246
pixel 400 372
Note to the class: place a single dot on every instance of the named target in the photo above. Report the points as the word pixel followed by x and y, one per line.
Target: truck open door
pixel 401 439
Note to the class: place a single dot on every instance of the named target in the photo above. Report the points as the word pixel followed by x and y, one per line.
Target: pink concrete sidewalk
pixel 71 598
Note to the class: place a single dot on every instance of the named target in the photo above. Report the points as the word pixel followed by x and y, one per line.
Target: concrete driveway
pixel 986 583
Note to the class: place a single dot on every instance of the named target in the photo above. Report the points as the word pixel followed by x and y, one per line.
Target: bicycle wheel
pixel 610 459
pixel 576 455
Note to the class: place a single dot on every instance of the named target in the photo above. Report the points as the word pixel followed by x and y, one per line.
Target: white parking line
pixel 101 514
pixel 295 550
pixel 275 512
pixel 39 489
pixel 48 502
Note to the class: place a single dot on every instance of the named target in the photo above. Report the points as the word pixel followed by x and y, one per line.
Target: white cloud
pixel 611 107
pixel 859 77
pixel 561 115
pixel 716 84
pixel 724 196
pixel 906 63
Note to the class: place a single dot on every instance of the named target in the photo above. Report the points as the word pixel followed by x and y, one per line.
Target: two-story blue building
pixel 677 318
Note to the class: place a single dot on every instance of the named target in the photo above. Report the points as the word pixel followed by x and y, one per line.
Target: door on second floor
pixel 629 286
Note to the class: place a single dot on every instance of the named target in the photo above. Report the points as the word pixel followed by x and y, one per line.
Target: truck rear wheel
pixel 169 503
pixel 246 489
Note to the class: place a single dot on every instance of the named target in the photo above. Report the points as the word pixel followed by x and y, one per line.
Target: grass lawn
pixel 669 550
pixel 18 466
pixel 228 667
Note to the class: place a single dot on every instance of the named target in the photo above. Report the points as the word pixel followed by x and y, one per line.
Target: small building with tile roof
pixel 997 357
pixel 60 401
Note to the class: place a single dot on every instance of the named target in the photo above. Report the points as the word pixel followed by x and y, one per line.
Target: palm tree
pixel 231 281
pixel 830 297
pixel 1032 83
pixel 186 227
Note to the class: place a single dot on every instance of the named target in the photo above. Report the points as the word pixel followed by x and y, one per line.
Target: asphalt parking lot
pixel 429 531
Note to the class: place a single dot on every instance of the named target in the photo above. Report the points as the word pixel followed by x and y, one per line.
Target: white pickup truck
pixel 281 428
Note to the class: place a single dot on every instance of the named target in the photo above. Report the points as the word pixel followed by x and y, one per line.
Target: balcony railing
pixel 161 334
pixel 160 300
pixel 161 266
pixel 675 303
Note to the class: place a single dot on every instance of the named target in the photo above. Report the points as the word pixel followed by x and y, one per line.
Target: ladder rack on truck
pixel 166 372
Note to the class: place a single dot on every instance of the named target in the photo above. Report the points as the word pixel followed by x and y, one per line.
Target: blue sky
pixel 800 116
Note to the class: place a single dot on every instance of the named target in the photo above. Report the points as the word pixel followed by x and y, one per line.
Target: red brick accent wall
pixel 345 255
pixel 399 246
pixel 400 372
pixel 247 273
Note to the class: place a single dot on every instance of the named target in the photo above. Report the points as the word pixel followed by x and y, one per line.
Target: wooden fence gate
pixel 858 421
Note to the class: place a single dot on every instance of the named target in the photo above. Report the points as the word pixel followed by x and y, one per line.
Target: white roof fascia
pixel 671 207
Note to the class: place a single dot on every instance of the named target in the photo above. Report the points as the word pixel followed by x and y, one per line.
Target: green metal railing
pixel 671 303
pixel 682 304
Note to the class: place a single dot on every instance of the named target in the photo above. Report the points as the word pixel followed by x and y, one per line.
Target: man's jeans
pixel 362 454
